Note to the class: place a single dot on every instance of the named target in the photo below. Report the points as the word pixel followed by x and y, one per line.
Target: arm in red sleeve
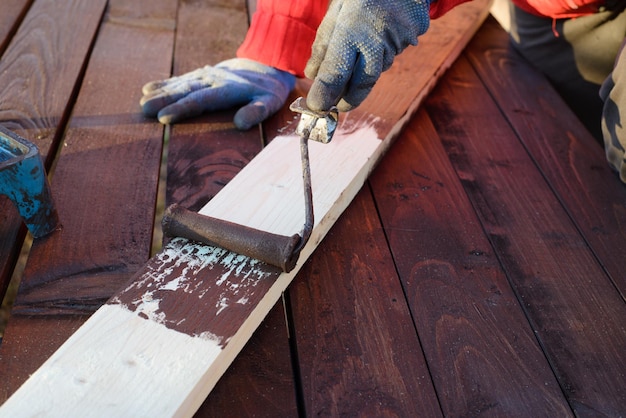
pixel 555 9
pixel 282 32
pixel 560 9
pixel 440 7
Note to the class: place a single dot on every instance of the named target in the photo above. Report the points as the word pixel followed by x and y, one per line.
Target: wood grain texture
pixel 38 86
pixel 481 351
pixel 569 157
pixel 205 153
pixel 11 244
pixel 203 156
pixel 76 270
pixel 235 279
pixel 359 354
pixel 573 307
pixel 13 12
pixel 260 382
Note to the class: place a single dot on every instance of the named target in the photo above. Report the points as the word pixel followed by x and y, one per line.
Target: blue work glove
pixel 356 41
pixel 259 90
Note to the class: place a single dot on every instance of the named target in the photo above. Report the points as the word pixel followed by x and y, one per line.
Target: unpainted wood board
pixel 37 87
pixel 573 307
pixel 105 188
pixel 569 157
pixel 481 352
pixel 359 354
pixel 172 298
pixel 204 155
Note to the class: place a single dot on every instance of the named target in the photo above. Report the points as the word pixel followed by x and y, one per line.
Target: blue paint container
pixel 23 179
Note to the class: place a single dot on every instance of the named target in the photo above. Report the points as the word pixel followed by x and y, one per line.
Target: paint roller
pixel 277 250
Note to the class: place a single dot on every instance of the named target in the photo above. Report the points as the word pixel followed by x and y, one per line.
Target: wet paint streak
pixel 187 284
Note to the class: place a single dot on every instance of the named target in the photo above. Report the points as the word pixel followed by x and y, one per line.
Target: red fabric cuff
pixel 559 9
pixel 439 8
pixel 278 41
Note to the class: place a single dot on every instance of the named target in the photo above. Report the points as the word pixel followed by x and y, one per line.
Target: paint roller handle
pixel 277 250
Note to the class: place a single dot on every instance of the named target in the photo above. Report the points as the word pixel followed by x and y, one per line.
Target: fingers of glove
pixel 332 77
pixel 152 87
pixel 367 71
pixel 169 91
pixel 151 104
pixel 176 112
pixel 323 95
pixel 323 38
pixel 205 100
pixel 257 111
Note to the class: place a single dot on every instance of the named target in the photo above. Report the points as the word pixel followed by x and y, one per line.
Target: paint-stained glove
pixel 259 90
pixel 355 43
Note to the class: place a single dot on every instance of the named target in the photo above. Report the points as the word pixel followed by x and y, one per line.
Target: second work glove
pixel 260 90
pixel 355 43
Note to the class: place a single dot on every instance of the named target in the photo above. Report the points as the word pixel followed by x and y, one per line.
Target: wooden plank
pixel 37 89
pixel 259 383
pixel 159 321
pixel 108 168
pixel 573 307
pixel 481 352
pixel 198 168
pixel 359 354
pixel 567 155
pixel 13 12
pixel 11 244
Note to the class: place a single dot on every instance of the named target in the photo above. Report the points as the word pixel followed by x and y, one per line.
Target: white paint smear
pixel 193 263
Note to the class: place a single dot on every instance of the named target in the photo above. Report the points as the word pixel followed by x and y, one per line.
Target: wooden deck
pixel 480 272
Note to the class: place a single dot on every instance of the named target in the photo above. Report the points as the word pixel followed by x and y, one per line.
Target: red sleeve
pixel 281 33
pixel 440 7
pixel 559 9
pixel 555 9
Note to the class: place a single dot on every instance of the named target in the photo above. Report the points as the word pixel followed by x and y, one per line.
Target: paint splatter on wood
pixel 186 275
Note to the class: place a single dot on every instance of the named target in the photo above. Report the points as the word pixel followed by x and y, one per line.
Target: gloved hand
pixel 259 89
pixel 355 43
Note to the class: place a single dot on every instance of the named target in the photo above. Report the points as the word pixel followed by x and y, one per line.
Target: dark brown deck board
pixel 481 351
pixel 13 12
pixel 358 350
pixel 37 89
pixel 110 150
pixel 260 382
pixel 573 307
pixel 568 156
